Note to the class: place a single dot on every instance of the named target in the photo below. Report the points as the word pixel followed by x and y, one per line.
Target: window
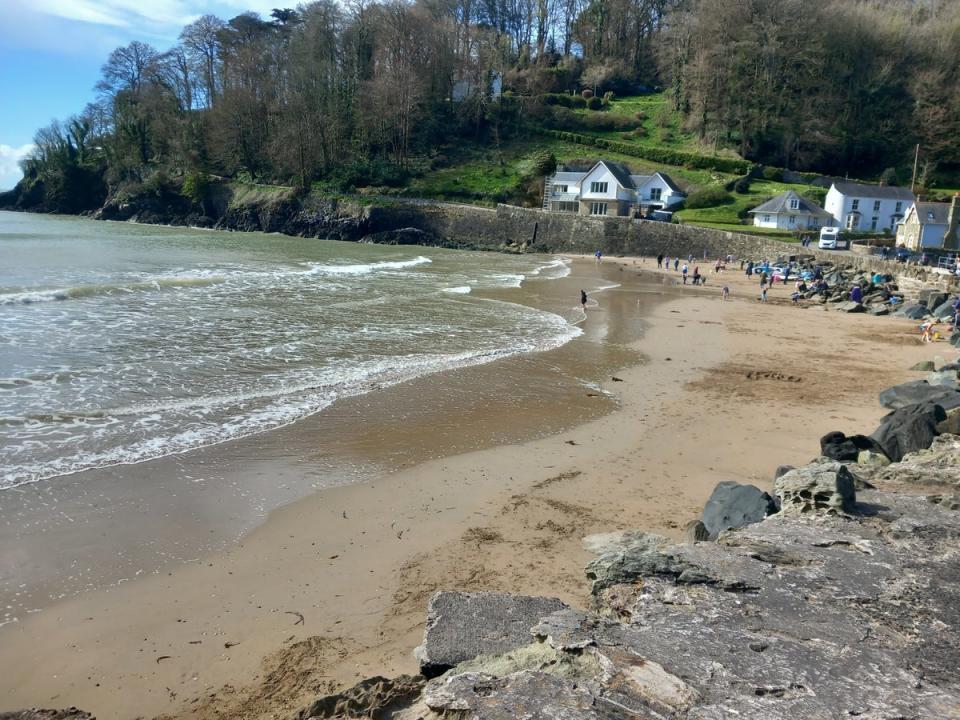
pixel 598 187
pixel 930 216
pixel 899 207
pixel 597 208
pixel 560 188
pixel 856 204
pixel 876 206
pixel 873 222
pixel 568 206
pixel 794 203
pixel 766 218
pixel 853 221
pixel 656 193
pixel 793 219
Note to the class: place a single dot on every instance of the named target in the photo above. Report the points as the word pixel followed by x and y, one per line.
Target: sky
pixel 51 52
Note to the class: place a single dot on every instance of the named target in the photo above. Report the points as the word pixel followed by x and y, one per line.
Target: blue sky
pixel 51 52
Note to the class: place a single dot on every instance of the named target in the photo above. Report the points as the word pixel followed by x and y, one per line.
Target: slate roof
pixel 932 213
pixel 620 172
pixel 781 204
pixel 622 175
pixel 568 177
pixel 879 192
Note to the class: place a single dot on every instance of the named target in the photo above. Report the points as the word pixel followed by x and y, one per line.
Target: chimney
pixel 951 240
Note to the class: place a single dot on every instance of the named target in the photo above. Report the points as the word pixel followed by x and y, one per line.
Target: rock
pixel 944 311
pixel 528 695
pixel 733 505
pixel 870 458
pixel 934 299
pixel 943 378
pixel 695 532
pixel 371 698
pixel 937 465
pixel 918 391
pixel 837 446
pixel 951 425
pixel 403 236
pixel 878 310
pixel 924 366
pixel 818 487
pixel 908 429
pixel 782 470
pixel 912 312
pixel 850 307
pixel 462 625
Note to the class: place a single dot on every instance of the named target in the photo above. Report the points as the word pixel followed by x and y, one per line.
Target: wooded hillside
pixel 363 94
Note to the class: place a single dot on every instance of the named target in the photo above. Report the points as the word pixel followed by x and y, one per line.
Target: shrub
pixel 542 162
pixel 564 100
pixel 608 97
pixel 772 174
pixel 742 185
pixel 595 103
pixel 640 132
pixel 586 93
pixel 707 197
pixel 641 116
pixel 889 177
pixel 195 187
pixel 666 136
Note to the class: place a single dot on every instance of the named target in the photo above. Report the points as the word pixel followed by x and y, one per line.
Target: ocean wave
pixel 31 297
pixel 461 290
pixel 364 268
pixel 284 405
pixel 553 270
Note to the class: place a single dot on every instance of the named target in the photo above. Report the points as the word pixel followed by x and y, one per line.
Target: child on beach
pixel 927 330
pixel 725 293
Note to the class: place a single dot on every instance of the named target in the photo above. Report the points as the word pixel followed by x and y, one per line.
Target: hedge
pixel 664 156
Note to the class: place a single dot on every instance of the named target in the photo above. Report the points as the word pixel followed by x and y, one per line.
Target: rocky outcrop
pixel 817 617
pixel 919 391
pixel 837 446
pixel 733 505
pixel 462 625
pixel 376 697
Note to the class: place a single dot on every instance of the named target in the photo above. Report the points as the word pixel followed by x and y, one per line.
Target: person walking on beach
pixel 676 263
pixel 660 261
pixel 696 275
pixel 599 256
pixel 725 293
pixel 684 271
pixel 583 300
pixel 763 293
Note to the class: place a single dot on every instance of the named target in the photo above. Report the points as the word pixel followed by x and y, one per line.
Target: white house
pixel 930 225
pixel 608 188
pixel 867 208
pixel 790 211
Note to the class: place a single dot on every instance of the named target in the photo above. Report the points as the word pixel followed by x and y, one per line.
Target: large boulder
pixel 933 299
pixel 944 311
pixel 462 625
pixel 837 446
pixel 943 378
pixel 826 487
pixel 909 429
pixel 733 505
pixel 914 311
pixel 919 391
pixel 850 307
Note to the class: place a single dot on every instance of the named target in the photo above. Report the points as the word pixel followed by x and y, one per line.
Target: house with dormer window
pixel 931 225
pixel 609 189
pixel 867 208
pixel 790 211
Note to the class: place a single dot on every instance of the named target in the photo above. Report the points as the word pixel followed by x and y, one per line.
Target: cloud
pixel 9 169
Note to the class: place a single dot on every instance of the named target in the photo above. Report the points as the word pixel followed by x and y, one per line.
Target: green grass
pixel 728 215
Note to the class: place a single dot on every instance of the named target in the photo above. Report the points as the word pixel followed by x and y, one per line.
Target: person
pixel 676 263
pixel 749 270
pixel 856 294
pixel 927 330
pixel 660 261
pixel 696 275
pixel 725 293
pixel 956 313
pixel 684 271
pixel 599 256
pixel 716 268
pixel 763 293
pixel 583 300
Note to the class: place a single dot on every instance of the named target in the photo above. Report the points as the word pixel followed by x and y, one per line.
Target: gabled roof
pixel 932 213
pixel 781 204
pixel 618 170
pixel 880 192
pixel 668 181
pixel 640 180
pixel 622 174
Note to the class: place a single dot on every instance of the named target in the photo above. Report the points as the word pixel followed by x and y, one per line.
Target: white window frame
pixel 598 208
pixel 656 193
pixel 794 204
pixel 876 206
pixel 853 221
pixel 899 207
pixel 874 222
pixel 600 188
pixel 855 205
pixel 567 206
pixel 766 218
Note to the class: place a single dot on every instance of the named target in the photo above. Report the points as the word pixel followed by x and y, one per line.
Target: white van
pixel 829 236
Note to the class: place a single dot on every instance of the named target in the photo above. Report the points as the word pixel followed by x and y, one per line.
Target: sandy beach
pixel 333 588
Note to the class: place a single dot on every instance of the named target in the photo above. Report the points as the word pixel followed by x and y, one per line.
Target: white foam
pixel 461 290
pixel 367 268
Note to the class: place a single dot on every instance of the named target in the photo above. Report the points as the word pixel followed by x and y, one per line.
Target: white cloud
pixel 133 13
pixel 9 169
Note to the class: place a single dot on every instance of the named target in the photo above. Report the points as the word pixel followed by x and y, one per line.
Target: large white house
pixel 867 208
pixel 608 188
pixel 790 211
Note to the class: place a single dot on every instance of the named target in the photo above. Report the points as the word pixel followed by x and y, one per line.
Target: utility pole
pixel 913 180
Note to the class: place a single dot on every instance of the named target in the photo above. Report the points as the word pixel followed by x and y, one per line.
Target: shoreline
pixel 509 517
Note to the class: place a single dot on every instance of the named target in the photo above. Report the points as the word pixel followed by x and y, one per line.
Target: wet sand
pixel 711 391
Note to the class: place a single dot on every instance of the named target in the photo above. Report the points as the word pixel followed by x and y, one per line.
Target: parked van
pixel 828 238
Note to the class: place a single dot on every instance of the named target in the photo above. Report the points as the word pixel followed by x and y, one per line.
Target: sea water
pixel 121 343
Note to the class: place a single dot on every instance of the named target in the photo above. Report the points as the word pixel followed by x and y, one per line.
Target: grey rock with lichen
pixel 462 625
pixel 733 505
pixel 817 487
pixel 909 429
